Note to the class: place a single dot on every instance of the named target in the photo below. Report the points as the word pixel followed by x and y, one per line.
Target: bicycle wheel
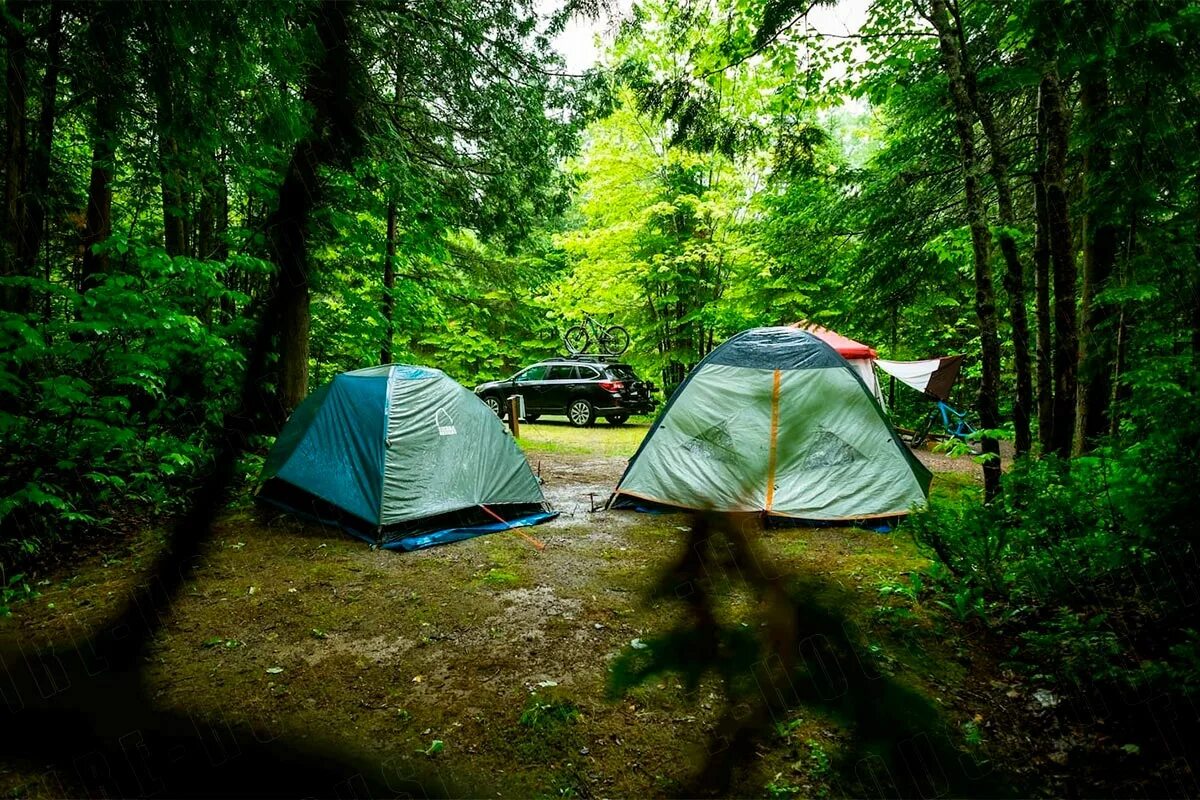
pixel 576 339
pixel 921 433
pixel 614 340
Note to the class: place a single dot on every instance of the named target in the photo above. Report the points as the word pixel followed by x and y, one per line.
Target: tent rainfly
pixel 775 421
pixel 858 355
pixel 403 457
pixel 931 377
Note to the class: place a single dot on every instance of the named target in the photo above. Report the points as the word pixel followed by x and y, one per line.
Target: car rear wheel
pixel 580 413
pixel 493 403
pixel 617 419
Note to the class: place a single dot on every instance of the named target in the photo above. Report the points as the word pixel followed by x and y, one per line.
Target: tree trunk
pixel 1062 259
pixel 333 134
pixel 38 183
pixel 1120 389
pixel 99 204
pixel 106 40
pixel 207 244
pixel 206 221
pixel 389 286
pixel 1014 273
pixel 220 188
pixel 388 304
pixel 1041 271
pixel 15 110
pixel 162 65
pixel 217 193
pixel 985 298
pixel 1196 262
pixel 1096 339
pixel 893 354
pixel 173 204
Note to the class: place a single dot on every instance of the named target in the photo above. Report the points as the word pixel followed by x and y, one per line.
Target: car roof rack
pixel 604 358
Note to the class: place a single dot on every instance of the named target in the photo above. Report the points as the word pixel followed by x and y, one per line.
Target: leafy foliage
pixel 1085 562
pixel 123 336
pixel 111 402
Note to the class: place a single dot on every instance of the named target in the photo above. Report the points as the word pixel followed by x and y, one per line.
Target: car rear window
pixel 622 372
pixel 588 373
pixel 560 372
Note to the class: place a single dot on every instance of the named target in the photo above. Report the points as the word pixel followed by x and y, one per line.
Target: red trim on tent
pixel 846 347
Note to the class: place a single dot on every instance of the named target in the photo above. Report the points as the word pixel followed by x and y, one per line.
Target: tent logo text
pixel 444 422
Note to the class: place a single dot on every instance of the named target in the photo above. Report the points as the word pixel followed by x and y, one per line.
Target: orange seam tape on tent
pixel 774 437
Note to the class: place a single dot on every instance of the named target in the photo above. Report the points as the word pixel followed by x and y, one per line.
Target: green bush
pixel 110 403
pixel 1088 564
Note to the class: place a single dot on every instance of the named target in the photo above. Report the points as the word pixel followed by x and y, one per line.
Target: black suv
pixel 581 388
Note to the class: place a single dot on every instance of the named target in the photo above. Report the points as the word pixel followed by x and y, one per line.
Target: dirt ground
pixel 501 651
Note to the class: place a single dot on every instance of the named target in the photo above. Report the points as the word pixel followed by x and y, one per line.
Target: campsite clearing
pixel 501 652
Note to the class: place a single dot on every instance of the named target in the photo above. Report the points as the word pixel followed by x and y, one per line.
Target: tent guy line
pixel 540 546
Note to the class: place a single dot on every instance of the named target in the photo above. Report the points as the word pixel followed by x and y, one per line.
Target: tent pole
pixel 892 382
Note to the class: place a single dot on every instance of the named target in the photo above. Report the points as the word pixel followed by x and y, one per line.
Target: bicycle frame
pixel 959 428
pixel 592 326
pixel 954 424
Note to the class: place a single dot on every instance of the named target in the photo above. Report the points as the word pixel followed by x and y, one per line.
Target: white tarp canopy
pixel 932 377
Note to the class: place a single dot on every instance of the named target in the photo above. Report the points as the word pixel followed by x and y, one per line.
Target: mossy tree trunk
pixel 1041 273
pixel 985 296
pixel 1062 259
pixel 333 133
pixel 1096 338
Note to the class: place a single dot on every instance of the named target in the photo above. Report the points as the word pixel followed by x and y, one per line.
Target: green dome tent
pixel 403 457
pixel 775 421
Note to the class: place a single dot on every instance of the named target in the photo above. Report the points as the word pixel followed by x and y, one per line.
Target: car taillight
pixel 612 386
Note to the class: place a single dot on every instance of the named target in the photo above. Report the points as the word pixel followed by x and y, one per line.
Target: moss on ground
pixel 494 648
pixel 951 485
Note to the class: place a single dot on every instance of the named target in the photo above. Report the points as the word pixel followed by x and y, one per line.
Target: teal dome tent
pixel 403 457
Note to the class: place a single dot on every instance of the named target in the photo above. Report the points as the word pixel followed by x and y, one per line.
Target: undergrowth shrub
pixel 1089 565
pixel 547 729
pixel 109 399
